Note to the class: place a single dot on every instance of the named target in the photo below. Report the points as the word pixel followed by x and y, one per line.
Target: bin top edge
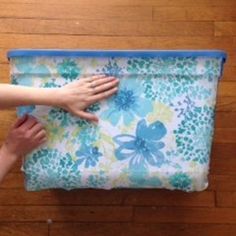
pixel 115 53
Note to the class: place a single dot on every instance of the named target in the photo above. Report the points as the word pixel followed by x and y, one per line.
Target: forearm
pixel 14 95
pixel 7 160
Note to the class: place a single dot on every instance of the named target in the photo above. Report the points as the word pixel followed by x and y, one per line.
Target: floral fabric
pixel 156 132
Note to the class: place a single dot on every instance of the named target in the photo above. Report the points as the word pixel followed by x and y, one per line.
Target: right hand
pixel 25 135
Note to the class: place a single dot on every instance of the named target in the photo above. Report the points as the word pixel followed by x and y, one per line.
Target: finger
pixel 43 140
pixel 103 95
pixel 106 86
pixel 87 116
pixel 29 123
pixel 20 121
pixel 40 135
pixel 36 128
pixel 102 80
pixel 94 77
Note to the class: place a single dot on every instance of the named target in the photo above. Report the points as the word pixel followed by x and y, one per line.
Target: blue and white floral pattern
pixel 88 155
pixel 128 104
pixel 144 148
pixel 155 132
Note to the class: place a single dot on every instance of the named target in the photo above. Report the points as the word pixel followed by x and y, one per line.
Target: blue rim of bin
pixel 118 53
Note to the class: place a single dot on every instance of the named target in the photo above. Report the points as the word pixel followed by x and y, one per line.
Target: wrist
pixel 49 97
pixel 52 97
pixel 58 98
pixel 9 155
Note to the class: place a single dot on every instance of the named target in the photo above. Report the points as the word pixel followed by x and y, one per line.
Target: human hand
pixel 25 135
pixel 80 94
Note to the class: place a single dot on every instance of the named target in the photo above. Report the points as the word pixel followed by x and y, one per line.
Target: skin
pixel 74 97
pixel 24 136
pixel 27 133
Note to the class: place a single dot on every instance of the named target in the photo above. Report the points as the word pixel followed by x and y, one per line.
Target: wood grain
pixel 23 229
pixel 61 11
pixel 66 213
pixel 140 229
pixel 185 215
pixel 170 3
pixel 225 28
pixel 226 199
pixel 104 27
pixel 195 13
pixel 125 24
pixel 126 197
pixel 111 42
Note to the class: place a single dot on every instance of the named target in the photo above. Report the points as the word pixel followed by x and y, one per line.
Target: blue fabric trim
pixel 118 53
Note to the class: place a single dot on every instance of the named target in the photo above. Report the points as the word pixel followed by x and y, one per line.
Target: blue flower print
pixel 22 110
pixel 127 103
pixel 111 69
pixel 25 64
pixel 144 148
pixel 28 69
pixel 87 154
pixel 68 69
pixel 98 180
pixel 142 178
pixel 180 181
pixel 212 69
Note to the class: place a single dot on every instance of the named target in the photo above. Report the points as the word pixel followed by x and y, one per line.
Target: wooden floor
pixel 125 24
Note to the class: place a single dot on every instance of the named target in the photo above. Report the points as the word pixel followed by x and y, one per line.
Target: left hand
pixel 80 94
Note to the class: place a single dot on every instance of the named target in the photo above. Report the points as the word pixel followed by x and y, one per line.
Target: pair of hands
pixel 27 133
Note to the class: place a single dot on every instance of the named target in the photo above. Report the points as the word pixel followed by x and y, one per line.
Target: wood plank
pixel 110 42
pixel 134 2
pixel 68 11
pixel 226 104
pixel 223 159
pixel 3 56
pixel 229 72
pixel 140 229
pixel 227 89
pixel 66 213
pixel 226 199
pixel 234 41
pixel 7 118
pixel 62 197
pixel 184 215
pixel 225 119
pixel 222 182
pixel 17 167
pixel 169 198
pixel 225 28
pixel 104 27
pixel 113 197
pixel 19 229
pixel 4 73
pixel 227 135
pixel 13 180
pixel 231 59
pixel 194 13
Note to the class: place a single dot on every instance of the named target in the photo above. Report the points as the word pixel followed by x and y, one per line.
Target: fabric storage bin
pixel 156 132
